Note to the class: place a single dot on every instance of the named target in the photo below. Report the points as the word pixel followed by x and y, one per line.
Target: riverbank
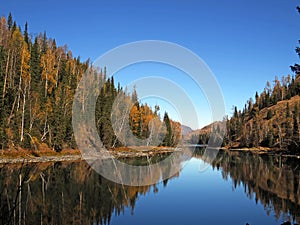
pixel 48 155
pixel 264 150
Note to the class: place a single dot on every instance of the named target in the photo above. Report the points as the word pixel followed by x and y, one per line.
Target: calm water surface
pixel 237 188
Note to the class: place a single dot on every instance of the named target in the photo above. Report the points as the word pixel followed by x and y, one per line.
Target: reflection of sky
pixel 174 82
pixel 197 198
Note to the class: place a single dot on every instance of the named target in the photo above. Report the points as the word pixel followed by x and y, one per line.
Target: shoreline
pixel 30 156
pixel 261 151
pixel 42 159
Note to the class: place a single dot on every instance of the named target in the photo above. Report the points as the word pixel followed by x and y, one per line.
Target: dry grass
pixel 25 153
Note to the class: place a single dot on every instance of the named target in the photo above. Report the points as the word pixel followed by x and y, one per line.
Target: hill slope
pixel 271 121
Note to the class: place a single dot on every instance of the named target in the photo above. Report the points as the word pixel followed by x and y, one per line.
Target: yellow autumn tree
pixel 48 65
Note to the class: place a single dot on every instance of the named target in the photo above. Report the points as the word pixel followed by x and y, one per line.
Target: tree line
pixel 38 80
pixel 271 119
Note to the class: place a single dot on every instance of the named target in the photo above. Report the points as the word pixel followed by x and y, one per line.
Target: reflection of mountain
pixel 62 193
pixel 272 180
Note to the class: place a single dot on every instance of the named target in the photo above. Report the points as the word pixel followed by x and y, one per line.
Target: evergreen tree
pixel 14 27
pixel 269 114
pixel 288 111
pixel 168 135
pixel 37 86
pixel 9 21
pixel 26 38
pixel 35 66
pixel 44 43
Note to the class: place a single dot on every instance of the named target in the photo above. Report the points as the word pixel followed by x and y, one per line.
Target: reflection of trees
pixel 147 172
pixel 272 180
pixel 62 193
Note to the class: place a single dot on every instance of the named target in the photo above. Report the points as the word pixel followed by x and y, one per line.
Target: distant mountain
pixel 185 130
pixel 201 136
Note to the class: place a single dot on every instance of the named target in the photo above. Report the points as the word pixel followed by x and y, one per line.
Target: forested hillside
pixel 270 120
pixel 38 80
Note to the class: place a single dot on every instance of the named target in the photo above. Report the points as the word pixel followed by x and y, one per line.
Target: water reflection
pixel 72 193
pixel 62 193
pixel 272 180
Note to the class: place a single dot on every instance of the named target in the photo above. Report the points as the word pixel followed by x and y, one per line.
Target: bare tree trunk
pixel 280 136
pixel 12 111
pixel 19 93
pixel 50 136
pixel 32 117
pixel 121 127
pixel 150 133
pixel 45 128
pixel 6 75
pixel 23 114
pixel 12 65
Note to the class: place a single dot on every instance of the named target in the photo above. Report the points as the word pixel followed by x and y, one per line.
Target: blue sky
pixel 245 43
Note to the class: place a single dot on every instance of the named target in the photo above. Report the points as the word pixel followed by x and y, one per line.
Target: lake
pixel 236 188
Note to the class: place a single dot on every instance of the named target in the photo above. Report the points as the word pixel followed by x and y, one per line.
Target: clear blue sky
pixel 245 43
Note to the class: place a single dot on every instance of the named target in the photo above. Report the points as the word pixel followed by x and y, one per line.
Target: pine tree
pixel 14 27
pixel 168 135
pixel 35 67
pixel 44 43
pixel 269 114
pixel 26 38
pixel 288 111
pixel 9 21
pixel 37 87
